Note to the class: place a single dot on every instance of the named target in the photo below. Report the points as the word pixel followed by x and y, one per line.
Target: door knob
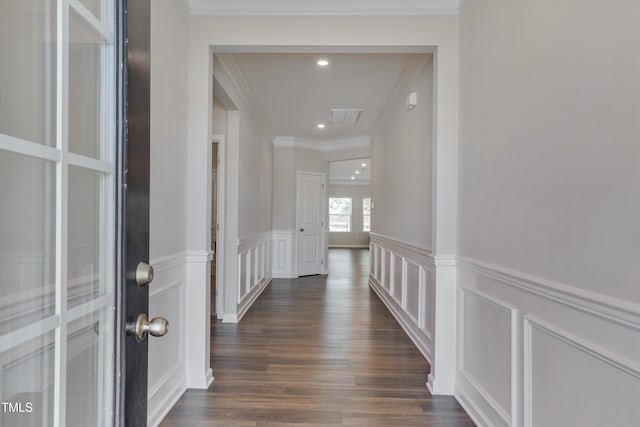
pixel 144 274
pixel 302 230
pixel 158 326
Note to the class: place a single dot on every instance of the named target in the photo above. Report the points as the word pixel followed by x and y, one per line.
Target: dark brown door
pixel 135 275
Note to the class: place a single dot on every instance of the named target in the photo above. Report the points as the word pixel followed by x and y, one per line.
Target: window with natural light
pixel 366 214
pixel 340 214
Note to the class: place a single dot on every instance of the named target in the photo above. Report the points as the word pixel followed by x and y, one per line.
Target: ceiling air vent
pixel 345 116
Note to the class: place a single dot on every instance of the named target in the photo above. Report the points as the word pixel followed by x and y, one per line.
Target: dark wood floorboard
pixel 317 351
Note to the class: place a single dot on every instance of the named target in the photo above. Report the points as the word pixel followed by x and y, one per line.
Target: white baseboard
pixel 439 388
pixel 164 395
pixel 251 298
pixel 201 382
pixel 349 246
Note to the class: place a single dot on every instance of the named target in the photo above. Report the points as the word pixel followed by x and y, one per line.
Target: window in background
pixel 366 214
pixel 340 214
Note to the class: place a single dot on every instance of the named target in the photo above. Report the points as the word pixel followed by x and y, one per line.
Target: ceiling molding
pixel 324 8
pixel 347 183
pixel 225 66
pixel 322 146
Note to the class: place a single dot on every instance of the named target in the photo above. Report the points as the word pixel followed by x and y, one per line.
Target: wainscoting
pixel 254 272
pixel 532 352
pixel 402 276
pixel 167 376
pixel 284 254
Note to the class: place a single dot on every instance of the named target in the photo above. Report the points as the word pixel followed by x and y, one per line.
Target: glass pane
pixel 86 354
pixel 85 92
pixel 84 235
pixel 340 205
pixel 27 240
pixel 28 65
pixel 339 223
pixel 27 383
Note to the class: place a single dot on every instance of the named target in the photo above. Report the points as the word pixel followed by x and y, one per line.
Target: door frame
pixel 220 140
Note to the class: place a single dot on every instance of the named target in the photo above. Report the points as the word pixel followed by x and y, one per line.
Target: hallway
pixel 317 351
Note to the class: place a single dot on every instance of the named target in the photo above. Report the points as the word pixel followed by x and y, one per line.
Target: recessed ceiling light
pixel 357 172
pixel 353 177
pixel 364 165
pixel 321 125
pixel 322 62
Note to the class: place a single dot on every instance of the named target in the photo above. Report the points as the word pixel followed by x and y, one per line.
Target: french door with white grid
pixel 57 212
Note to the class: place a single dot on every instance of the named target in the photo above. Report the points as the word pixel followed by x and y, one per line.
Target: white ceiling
pixel 296 94
pixel 343 170
pixel 324 7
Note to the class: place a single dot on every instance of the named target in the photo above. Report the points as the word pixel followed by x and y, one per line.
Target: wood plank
pixel 317 351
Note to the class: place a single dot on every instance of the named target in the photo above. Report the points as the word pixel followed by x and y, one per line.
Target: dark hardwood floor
pixel 317 351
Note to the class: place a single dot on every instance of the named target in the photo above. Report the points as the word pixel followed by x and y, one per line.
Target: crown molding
pixel 348 183
pixel 322 146
pixel 226 70
pixel 324 8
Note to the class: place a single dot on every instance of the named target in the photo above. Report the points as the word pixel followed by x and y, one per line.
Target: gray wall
pixel 401 162
pixel 549 153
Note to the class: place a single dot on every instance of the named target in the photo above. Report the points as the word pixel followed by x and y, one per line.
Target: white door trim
pixel 220 232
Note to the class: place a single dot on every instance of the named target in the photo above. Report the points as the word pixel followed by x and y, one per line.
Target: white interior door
pixel 310 202
pixel 57 237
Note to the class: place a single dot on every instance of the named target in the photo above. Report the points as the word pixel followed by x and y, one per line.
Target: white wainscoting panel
pixel 401 275
pixel 284 254
pixel 571 381
pixel 536 353
pixel 167 374
pixel 252 277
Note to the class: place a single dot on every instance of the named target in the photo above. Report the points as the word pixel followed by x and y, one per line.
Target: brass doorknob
pixel 158 326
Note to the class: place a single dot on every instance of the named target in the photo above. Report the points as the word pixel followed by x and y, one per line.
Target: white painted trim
pixel 201 382
pixel 507 417
pixel 623 364
pixel 396 310
pixel 157 414
pixel 90 19
pixel 249 242
pixel 354 182
pixel 473 382
pixel 89 307
pixel 221 249
pixel 322 146
pixel 199 256
pixel 169 261
pixel 283 257
pixel 164 379
pixel 20 336
pixel 620 311
pixel 324 8
pixel 478 417
pixel 409 246
pixel 349 246
pixel 226 68
pixel 28 148
pixel 90 163
pixel 251 298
